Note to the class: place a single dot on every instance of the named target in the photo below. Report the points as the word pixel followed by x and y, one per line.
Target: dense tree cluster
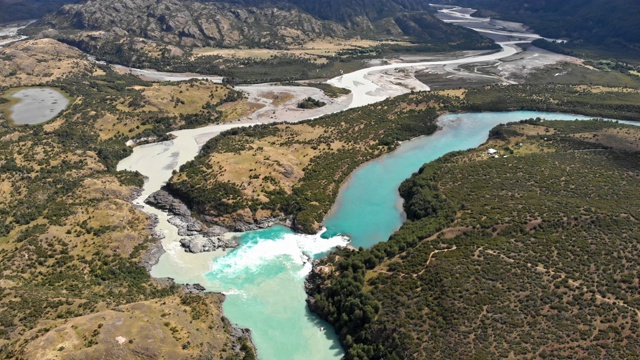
pixel 311 103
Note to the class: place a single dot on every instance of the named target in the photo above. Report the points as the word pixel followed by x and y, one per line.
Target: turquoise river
pixel 263 277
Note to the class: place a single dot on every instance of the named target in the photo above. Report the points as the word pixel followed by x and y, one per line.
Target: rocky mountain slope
pixel 193 23
pixel 353 13
pixel 250 24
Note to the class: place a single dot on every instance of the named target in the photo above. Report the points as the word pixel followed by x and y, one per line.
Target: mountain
pixel 185 23
pixel 351 12
pixel 251 23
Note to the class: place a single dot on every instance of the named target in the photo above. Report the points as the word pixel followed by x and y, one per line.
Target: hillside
pixel 272 25
pixel 194 24
pixel 73 248
pixel 352 13
pixel 15 10
pixel 247 176
pixel 528 256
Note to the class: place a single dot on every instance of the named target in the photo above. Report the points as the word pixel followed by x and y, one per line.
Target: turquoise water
pixel 369 208
pixel 263 277
pixel 263 280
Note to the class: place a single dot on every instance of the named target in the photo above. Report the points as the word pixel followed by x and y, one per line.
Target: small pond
pixel 37 105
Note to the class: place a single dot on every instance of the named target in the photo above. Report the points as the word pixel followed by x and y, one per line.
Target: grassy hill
pixel 72 246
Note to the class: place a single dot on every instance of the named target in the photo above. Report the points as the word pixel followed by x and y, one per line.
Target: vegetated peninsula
pixel 73 248
pixel 529 254
pixel 246 178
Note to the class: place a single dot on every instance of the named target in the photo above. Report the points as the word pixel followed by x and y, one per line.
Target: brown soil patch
pixel 238 109
pixel 457 93
pixel 277 98
pixel 604 89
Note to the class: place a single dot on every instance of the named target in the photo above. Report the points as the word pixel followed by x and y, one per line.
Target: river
pixel 263 277
pixel 9 32
pixel 367 219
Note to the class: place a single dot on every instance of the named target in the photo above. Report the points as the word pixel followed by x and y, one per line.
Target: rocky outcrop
pixel 250 224
pixel 314 278
pixel 152 255
pixel 313 284
pixel 154 252
pixel 198 237
pixel 162 200
pixel 194 288
pixel 198 244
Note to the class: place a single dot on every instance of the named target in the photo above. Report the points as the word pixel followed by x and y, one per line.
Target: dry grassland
pixel 163 328
pixel 34 62
pixel 316 50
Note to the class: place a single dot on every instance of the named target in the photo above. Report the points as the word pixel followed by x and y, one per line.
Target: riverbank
pixel 476 218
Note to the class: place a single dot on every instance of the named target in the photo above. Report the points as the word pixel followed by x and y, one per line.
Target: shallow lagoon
pixel 37 105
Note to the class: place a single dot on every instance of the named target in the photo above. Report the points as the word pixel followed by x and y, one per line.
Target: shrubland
pixel 530 255
pixel 72 244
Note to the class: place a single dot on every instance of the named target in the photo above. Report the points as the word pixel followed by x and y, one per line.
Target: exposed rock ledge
pixel 202 244
pixel 155 251
pixel 199 237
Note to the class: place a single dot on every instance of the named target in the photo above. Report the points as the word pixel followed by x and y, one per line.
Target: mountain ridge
pixel 251 23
